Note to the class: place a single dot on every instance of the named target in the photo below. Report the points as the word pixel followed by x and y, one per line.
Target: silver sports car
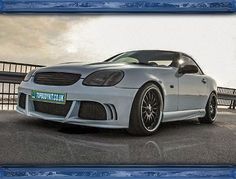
pixel 136 90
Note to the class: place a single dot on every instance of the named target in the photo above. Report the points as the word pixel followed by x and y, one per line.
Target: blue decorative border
pixel 114 6
pixel 120 172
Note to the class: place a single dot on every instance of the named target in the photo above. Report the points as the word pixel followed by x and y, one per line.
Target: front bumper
pixel 116 101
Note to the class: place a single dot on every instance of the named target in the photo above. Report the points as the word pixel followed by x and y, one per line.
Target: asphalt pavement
pixel 30 141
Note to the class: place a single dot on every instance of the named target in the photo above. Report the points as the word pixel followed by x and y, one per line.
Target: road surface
pixel 30 141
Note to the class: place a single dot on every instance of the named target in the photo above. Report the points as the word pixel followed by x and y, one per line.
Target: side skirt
pixel 182 115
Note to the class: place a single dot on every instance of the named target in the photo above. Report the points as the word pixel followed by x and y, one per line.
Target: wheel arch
pixel 214 91
pixel 160 88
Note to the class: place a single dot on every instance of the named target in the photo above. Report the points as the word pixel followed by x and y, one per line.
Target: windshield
pixel 153 58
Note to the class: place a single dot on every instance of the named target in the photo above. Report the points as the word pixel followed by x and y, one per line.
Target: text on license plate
pixel 48 96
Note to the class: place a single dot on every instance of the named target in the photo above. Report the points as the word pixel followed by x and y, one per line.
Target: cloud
pixel 34 39
pixel 61 38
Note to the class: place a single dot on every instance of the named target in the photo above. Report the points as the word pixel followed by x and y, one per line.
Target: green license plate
pixel 59 98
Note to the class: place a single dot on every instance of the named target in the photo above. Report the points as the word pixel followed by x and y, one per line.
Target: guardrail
pixel 227 97
pixel 11 75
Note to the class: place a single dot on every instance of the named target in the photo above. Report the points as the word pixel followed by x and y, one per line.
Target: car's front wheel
pixel 147 110
pixel 211 110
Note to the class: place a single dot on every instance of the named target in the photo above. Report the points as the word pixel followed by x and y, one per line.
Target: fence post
pixel 231 104
pixel 234 101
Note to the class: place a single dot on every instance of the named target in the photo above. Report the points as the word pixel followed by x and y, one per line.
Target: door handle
pixel 204 81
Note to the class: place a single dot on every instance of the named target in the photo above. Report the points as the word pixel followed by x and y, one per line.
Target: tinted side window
pixel 188 61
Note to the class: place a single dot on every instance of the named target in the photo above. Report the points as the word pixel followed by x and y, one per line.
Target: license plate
pixel 59 98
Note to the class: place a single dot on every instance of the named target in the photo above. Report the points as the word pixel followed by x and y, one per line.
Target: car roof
pixel 176 52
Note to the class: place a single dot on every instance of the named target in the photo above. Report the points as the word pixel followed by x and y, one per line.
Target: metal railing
pixel 11 75
pixel 227 97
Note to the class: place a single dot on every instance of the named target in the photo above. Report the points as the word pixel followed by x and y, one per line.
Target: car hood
pixel 87 69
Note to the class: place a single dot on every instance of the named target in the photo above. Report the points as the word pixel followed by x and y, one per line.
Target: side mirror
pixel 188 69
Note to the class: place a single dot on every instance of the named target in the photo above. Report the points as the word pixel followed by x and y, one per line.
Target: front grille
pixel 52 108
pixel 56 78
pixel 22 100
pixel 92 111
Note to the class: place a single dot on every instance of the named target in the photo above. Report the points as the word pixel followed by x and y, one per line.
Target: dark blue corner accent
pixel 109 172
pixel 114 6
pixel 1 6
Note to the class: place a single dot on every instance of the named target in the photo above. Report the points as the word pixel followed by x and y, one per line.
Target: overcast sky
pixel 48 40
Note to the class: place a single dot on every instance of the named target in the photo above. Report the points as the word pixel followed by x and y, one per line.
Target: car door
pixel 171 90
pixel 192 87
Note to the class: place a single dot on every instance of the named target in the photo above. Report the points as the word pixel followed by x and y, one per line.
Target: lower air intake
pixel 22 100
pixel 52 108
pixel 92 111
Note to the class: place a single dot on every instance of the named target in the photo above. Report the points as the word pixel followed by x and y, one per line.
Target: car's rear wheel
pixel 147 110
pixel 211 110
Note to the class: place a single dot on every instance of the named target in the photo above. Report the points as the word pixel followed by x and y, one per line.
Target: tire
pixel 211 110
pixel 147 111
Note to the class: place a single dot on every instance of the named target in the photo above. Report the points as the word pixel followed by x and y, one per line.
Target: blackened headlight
pixel 29 75
pixel 104 78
